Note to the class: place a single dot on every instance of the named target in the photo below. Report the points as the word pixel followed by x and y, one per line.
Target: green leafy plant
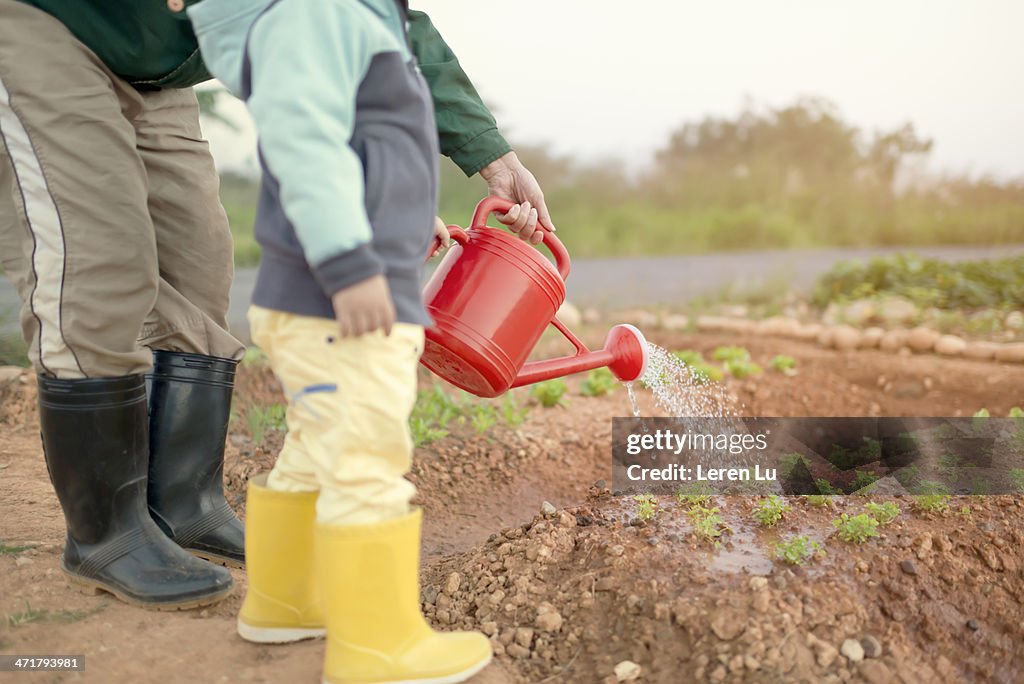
pixel 790 462
pixel 1016 412
pixel 694 494
pixel 254 356
pixel 730 353
pixel 550 393
pixel 689 356
pixel 826 487
pixel 863 480
pixel 783 363
pixel 598 382
pixel 741 369
pixel 884 513
pixel 798 550
pixel 513 413
pixel 262 420
pixel 771 510
pixel 483 417
pixel 821 500
pixel 11 550
pixel 703 373
pixel 706 522
pixel 931 497
pixel 856 529
pixel 646 507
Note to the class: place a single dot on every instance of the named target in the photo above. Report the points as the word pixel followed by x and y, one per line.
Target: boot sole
pixel 278 635
pixel 94 587
pixel 454 678
pixel 223 561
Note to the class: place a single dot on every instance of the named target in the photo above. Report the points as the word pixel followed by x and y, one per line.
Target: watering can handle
pixel 491 204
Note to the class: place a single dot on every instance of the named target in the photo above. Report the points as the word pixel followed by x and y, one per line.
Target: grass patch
pixel 884 513
pixel 770 511
pixel 550 393
pixel 30 615
pixel 798 550
pixel 12 550
pixel 856 529
pixel 646 507
pixel 598 383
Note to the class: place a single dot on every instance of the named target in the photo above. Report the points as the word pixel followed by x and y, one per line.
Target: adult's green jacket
pixel 153 47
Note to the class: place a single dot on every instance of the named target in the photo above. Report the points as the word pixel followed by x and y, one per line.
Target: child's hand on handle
pixel 441 236
pixel 507 178
pixel 364 307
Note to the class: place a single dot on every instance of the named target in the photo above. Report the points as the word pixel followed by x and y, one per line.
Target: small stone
pixel 981 349
pixel 517 651
pixel 871 338
pixel 627 671
pixel 871 645
pixel 853 650
pixel 718 674
pixel 453 583
pixel 548 618
pixel 547 508
pixel 875 672
pixel 728 624
pixel 675 322
pixel 22 561
pixel 973 625
pixel 950 345
pixel 758 583
pixel 523 637
pixel 569 314
pixel 1011 353
pixel 908 567
pixel 489 628
pixel 922 339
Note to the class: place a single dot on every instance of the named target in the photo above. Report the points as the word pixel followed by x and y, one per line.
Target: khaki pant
pixel 110 223
pixel 348 410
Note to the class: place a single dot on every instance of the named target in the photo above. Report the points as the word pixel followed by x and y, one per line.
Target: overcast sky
pixel 612 79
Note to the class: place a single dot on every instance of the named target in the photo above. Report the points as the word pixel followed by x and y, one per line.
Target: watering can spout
pixel 624 353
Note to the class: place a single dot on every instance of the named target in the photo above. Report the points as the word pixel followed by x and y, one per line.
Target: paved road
pixel 650 281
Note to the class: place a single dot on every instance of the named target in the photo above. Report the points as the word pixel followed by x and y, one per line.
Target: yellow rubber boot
pixel 282 603
pixel 369 579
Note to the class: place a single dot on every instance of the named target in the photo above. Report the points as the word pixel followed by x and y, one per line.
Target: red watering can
pixel 491 298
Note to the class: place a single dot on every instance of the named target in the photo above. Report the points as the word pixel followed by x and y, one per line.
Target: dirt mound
pixel 577 592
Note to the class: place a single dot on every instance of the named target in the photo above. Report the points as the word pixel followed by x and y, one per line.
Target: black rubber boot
pixel 95 437
pixel 189 410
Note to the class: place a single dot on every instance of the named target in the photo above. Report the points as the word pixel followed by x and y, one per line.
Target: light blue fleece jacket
pixel 346 137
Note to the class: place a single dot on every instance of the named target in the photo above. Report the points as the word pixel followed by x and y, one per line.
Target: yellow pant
pixel 348 409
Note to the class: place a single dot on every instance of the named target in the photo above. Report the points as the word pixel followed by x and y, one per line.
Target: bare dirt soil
pixel 570 594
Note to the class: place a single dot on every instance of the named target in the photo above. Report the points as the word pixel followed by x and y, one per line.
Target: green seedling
pixel 483 417
pixel 980 486
pixel 598 382
pixel 703 373
pixel 965 511
pixel 646 507
pixel 981 413
pixel 932 497
pixel 856 529
pixel 730 353
pixel 821 500
pixel 254 356
pixel 262 420
pixel 770 511
pixel 1017 478
pixel 884 513
pixel 694 494
pixel 826 487
pixel 11 550
pixel 424 431
pixel 789 463
pixel 30 614
pixel 741 369
pixel 863 481
pixel 689 357
pixel 798 550
pixel 783 363
pixel 706 522
pixel 550 393
pixel 514 414
pixel 1016 412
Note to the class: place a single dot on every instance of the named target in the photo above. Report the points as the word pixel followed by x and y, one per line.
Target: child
pixel 349 151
